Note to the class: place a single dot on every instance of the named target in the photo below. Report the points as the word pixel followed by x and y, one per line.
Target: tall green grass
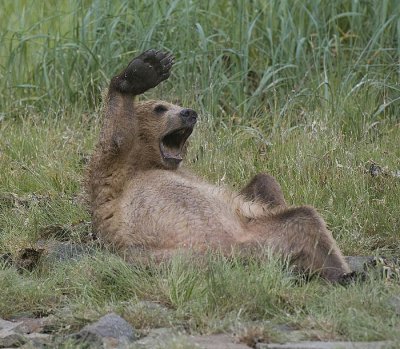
pixel 239 60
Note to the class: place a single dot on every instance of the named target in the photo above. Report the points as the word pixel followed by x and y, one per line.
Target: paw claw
pixel 164 76
pixel 167 59
pixel 160 55
pixel 150 52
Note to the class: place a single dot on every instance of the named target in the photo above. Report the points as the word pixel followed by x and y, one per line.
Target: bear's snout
pixel 189 116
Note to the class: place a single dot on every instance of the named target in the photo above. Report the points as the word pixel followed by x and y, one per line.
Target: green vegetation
pixel 305 90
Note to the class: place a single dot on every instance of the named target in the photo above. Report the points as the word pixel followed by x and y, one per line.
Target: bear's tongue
pixel 170 153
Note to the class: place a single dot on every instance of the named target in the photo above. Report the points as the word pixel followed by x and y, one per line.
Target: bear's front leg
pixel 143 73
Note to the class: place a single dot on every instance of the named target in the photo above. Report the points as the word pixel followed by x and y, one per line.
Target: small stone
pixel 358 263
pixel 375 170
pixel 35 325
pixel 396 174
pixel 217 341
pixel 111 330
pixel 38 340
pixel 156 337
pixel 66 251
pixel 10 339
pixel 8 325
pixel 326 345
pixel 159 338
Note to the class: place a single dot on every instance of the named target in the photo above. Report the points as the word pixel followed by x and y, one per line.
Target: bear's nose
pixel 188 115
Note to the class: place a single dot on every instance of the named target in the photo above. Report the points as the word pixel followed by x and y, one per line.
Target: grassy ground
pixel 306 90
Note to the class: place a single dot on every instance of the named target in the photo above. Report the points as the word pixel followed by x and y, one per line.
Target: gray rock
pixel 294 335
pixel 156 338
pixel 217 341
pixel 304 335
pixel 23 333
pixel 327 345
pixel 10 339
pixel 8 325
pixel 37 340
pixel 27 325
pixel 110 331
pixel 56 251
pixel 161 337
pixel 358 263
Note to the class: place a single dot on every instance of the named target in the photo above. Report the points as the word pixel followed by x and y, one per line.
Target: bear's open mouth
pixel 172 143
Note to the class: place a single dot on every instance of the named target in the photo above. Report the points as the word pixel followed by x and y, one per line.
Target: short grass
pixel 305 90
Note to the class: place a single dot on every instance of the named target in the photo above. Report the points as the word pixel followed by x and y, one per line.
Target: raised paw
pixel 144 72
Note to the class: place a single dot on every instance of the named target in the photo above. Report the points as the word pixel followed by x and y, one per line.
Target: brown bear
pixel 144 204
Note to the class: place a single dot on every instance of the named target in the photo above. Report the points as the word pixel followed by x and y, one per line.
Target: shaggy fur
pixel 144 204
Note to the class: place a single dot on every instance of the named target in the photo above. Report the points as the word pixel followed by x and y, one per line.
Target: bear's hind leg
pixel 300 234
pixel 265 188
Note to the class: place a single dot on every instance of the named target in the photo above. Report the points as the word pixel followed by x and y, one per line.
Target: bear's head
pixel 163 129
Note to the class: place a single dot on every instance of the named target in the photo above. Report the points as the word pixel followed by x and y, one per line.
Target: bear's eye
pixel 159 109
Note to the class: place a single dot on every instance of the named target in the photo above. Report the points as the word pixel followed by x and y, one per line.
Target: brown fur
pixel 144 204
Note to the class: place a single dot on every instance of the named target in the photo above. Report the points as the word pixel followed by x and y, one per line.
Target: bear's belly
pixel 167 211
